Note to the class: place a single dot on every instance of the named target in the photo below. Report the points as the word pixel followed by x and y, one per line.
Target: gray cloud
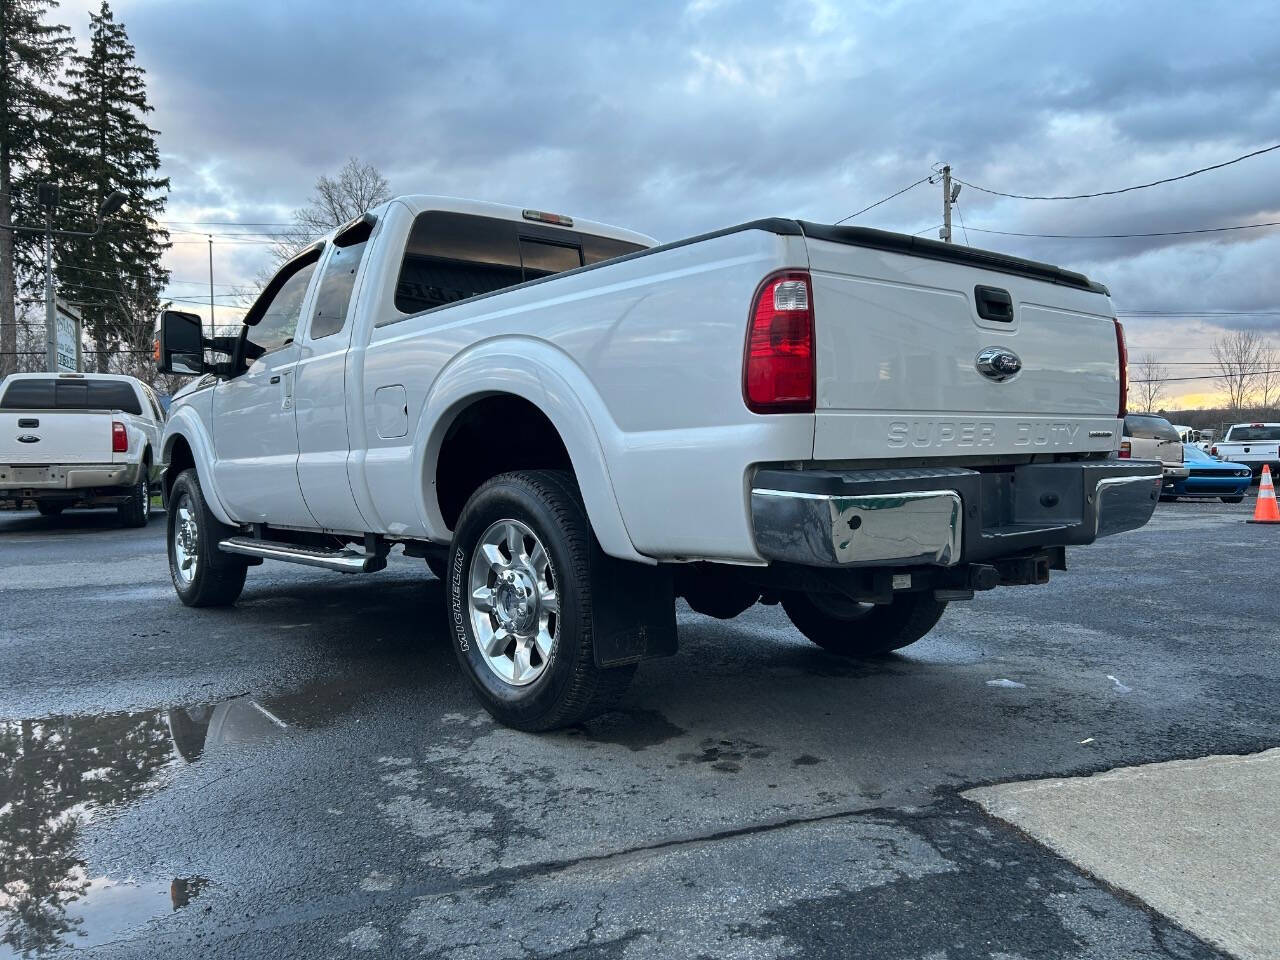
pixel 677 118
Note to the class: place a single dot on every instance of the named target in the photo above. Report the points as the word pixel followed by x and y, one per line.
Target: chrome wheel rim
pixel 186 540
pixel 513 602
pixel 144 491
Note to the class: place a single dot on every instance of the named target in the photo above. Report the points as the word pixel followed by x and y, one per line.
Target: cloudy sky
pixel 677 118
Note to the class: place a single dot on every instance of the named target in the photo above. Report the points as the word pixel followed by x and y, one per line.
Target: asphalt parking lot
pixel 306 774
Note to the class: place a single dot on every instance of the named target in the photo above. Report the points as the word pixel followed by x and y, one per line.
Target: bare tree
pixel 1268 377
pixel 1238 356
pixel 1150 384
pixel 358 187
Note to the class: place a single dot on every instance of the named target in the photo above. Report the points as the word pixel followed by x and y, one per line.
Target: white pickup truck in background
pixel 80 439
pixel 1253 444
pixel 573 426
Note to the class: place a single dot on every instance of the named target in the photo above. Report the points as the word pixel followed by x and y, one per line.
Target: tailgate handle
pixel 993 303
pixel 28 423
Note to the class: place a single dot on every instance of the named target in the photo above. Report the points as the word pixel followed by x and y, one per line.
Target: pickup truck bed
pixel 79 440
pixel 573 426
pixel 1254 445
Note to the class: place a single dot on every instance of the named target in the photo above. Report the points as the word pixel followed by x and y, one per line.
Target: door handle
pixel 275 379
pixel 993 303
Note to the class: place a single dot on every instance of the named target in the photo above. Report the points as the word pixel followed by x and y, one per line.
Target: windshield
pixel 1256 432
pixel 1149 428
pixel 1192 452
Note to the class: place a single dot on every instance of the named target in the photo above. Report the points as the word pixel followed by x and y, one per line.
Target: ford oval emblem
pixel 28 438
pixel 998 364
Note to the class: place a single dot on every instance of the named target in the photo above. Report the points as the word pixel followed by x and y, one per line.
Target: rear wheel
pixel 202 574
pixel 136 511
pixel 851 629
pixel 50 508
pixel 520 603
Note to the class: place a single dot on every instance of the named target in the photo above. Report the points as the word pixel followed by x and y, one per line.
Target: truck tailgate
pixel 899 335
pixel 54 436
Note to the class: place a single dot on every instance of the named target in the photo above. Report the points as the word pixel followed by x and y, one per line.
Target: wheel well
pixel 492 436
pixel 180 458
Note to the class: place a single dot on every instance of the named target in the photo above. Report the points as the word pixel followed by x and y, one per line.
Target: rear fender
pixel 551 381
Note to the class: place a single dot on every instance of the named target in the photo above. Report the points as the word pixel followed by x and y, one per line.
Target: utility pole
pixel 47 193
pixel 945 233
pixel 213 326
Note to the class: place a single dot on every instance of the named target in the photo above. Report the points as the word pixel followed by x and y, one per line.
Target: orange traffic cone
pixel 1266 511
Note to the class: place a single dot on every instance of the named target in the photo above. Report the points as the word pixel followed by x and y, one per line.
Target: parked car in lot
pixel 1149 436
pixel 80 439
pixel 1200 437
pixel 1210 477
pixel 1252 444
pixel 573 426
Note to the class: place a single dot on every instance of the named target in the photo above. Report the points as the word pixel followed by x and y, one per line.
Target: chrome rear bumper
pixel 942 517
pixel 52 477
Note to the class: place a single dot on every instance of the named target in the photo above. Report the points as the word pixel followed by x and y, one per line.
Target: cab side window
pixel 337 283
pixel 278 318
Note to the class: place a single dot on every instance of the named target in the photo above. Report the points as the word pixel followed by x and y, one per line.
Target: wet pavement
pixel 307 775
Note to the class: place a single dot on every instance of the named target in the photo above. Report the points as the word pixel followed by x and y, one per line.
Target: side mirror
pixel 180 344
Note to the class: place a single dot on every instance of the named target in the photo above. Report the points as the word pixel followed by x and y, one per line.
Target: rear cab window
pixel 1256 433
pixel 338 281
pixel 455 256
pixel 1149 428
pixel 55 393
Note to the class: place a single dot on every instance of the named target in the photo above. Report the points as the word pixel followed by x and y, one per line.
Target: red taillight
pixel 119 438
pixel 1213 451
pixel 1126 449
pixel 778 375
pixel 1122 349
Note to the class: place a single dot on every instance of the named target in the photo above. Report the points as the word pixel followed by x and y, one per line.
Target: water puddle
pixel 58 774
pixel 88 912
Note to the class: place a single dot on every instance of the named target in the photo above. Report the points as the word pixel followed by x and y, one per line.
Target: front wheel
pixel 520 603
pixel 849 628
pixel 136 511
pixel 202 574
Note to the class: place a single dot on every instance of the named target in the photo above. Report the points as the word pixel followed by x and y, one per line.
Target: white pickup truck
pixel 80 439
pixel 574 426
pixel 1254 445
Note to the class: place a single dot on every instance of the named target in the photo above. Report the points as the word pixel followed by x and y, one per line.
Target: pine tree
pixel 116 275
pixel 31 54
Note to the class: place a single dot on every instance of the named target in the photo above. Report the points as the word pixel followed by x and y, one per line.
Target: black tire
pixel 218 577
pixel 136 511
pixel 570 687
pixel 50 508
pixel 851 629
pixel 1232 499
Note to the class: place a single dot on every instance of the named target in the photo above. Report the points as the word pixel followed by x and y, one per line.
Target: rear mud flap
pixel 633 611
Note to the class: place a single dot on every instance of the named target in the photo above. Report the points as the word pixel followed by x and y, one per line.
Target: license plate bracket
pixel 31 474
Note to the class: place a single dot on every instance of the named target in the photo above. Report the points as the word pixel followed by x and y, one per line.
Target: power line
pixel 139 276
pixel 1121 236
pixel 1111 193
pixel 1198 313
pixel 909 186
pixel 1207 376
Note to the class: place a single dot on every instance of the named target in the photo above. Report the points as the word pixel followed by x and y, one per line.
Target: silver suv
pixel 1148 437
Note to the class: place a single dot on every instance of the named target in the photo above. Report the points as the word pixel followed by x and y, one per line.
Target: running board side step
pixel 342 561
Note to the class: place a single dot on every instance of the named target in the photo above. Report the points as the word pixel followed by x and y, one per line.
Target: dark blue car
pixel 1211 477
